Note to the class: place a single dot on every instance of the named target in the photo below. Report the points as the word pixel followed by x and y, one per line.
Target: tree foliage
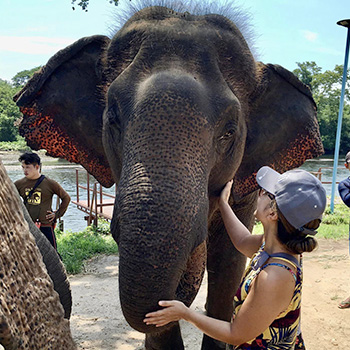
pixel 21 78
pixel 9 112
pixel 85 3
pixel 326 90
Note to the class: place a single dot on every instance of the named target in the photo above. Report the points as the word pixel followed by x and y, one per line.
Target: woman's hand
pixel 225 193
pixel 173 311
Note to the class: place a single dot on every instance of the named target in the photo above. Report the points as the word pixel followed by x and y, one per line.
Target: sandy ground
pixel 97 321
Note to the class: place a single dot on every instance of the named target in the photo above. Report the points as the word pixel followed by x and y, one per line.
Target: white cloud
pixel 309 36
pixel 35 45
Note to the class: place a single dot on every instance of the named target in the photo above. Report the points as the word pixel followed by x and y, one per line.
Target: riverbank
pixel 64 173
pixel 10 160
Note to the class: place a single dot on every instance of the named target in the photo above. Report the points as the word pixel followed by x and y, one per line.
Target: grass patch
pixel 333 226
pixel 76 247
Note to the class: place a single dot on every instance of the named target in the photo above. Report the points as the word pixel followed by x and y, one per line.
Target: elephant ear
pixel 283 131
pixel 62 107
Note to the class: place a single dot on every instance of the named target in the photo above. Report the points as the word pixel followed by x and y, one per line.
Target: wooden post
pixel 96 212
pixel 60 220
pixel 77 183
pixel 101 199
pixel 88 189
pixel 91 208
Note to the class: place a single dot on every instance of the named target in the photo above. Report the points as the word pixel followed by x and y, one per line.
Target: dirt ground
pixel 97 322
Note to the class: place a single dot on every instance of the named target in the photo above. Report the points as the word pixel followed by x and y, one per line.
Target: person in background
pixel 37 191
pixel 267 303
pixel 344 192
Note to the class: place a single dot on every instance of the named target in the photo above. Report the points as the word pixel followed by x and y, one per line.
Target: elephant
pixel 31 313
pixel 171 108
pixel 53 264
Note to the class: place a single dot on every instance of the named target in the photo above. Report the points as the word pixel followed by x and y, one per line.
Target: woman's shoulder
pixel 274 286
pixel 277 275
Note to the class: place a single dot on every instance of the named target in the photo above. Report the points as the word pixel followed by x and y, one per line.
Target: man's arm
pixel 65 199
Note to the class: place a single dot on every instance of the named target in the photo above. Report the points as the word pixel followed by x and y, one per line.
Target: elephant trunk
pixel 156 245
pixel 161 210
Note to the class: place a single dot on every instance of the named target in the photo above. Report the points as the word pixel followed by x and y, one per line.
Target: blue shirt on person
pixel 344 191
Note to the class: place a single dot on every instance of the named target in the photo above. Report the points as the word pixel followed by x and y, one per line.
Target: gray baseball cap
pixel 299 195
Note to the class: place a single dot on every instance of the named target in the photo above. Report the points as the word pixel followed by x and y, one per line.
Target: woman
pixel 267 303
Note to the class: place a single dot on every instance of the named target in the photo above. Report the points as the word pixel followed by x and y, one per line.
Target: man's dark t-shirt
pixel 41 200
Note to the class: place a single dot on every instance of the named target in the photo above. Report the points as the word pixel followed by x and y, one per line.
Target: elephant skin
pixel 53 264
pixel 31 315
pixel 170 109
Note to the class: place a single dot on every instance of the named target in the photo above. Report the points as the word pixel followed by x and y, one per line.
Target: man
pixel 37 192
pixel 344 191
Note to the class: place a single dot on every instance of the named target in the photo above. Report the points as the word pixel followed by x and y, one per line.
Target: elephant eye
pixel 112 116
pixel 229 131
pixel 227 135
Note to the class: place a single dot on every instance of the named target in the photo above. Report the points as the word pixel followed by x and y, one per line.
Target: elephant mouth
pixel 192 277
pixel 155 285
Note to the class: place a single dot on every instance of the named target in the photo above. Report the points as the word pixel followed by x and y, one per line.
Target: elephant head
pixel 170 109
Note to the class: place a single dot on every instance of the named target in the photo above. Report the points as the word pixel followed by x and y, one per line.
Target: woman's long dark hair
pixel 293 239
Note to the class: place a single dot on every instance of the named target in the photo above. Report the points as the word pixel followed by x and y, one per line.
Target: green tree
pixel 326 90
pixel 306 73
pixel 21 78
pixel 9 112
pixel 85 3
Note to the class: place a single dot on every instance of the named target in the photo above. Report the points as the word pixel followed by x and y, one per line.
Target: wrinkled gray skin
pixel 53 265
pixel 178 106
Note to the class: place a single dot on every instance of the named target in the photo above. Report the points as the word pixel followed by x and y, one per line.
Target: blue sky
pixel 287 31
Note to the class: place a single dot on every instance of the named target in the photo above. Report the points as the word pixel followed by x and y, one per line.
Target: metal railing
pixel 95 200
pixel 319 173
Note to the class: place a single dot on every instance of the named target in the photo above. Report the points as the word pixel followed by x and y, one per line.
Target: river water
pixel 65 174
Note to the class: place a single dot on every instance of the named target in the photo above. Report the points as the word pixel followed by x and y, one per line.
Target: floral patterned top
pixel 282 333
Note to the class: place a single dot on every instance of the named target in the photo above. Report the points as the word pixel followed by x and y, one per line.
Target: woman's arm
pixel 175 310
pixel 240 236
pixel 270 294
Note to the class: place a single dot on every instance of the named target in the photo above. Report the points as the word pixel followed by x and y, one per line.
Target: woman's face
pixel 264 205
